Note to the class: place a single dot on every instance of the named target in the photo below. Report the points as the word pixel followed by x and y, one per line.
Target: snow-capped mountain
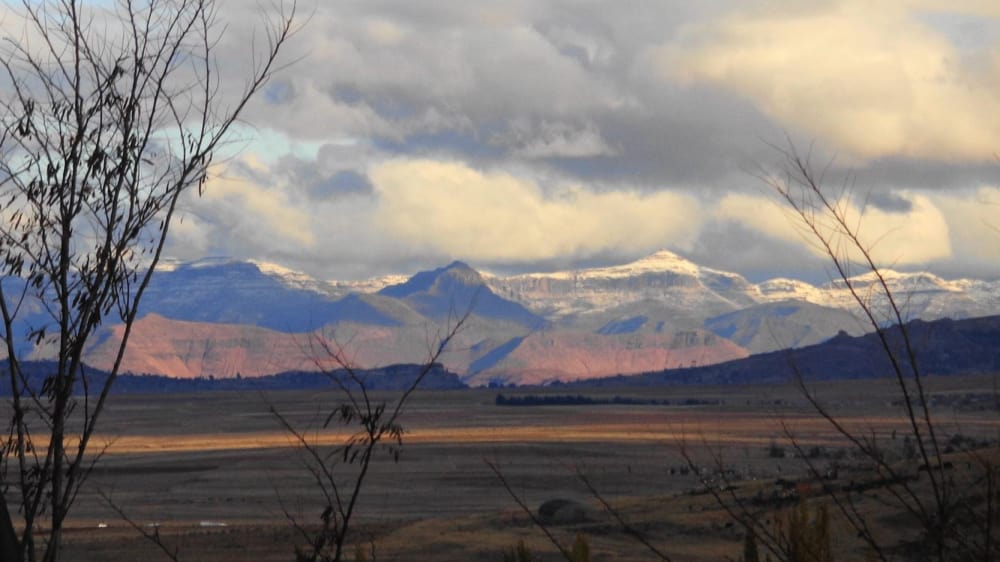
pixel 783 289
pixel 669 279
pixel 221 317
pixel 917 294
pixel 295 279
pixel 663 277
pixel 664 288
pixel 373 285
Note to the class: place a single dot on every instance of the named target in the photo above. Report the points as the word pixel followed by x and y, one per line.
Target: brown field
pixel 190 462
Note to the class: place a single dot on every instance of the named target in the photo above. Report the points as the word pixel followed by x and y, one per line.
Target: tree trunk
pixel 9 546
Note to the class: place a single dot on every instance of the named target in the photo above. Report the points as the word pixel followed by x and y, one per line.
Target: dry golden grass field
pixel 213 470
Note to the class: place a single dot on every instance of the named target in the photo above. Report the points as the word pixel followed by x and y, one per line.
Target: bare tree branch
pixel 111 114
pixel 528 511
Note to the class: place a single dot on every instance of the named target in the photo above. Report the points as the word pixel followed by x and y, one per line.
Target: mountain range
pixel 224 318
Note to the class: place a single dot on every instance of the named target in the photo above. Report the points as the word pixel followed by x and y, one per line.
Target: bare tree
pixel 109 115
pixel 955 517
pixel 340 471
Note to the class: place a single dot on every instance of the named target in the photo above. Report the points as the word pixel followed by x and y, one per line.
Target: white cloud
pixel 916 237
pixel 421 99
pixel 451 208
pixel 974 219
pixel 867 78
pixel 265 210
pixel 385 33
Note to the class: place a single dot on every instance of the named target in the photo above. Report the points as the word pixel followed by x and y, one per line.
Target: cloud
pixel 974 220
pixel 889 202
pixel 553 140
pixel 344 182
pixel 895 238
pixel 870 79
pixel 525 82
pixel 263 210
pixel 541 134
pixel 730 245
pixel 451 208
pixel 270 211
pixel 391 71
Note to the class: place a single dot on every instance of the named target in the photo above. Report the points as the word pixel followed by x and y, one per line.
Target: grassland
pixel 214 471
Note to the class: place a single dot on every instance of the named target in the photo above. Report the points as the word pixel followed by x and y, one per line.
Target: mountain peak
pixel 461 270
pixel 662 261
pixel 426 280
pixel 456 288
pixel 665 260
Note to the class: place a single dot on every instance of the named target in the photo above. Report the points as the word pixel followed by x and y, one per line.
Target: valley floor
pixel 215 471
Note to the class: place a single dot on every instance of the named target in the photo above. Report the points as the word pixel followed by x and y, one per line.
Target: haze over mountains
pixel 222 318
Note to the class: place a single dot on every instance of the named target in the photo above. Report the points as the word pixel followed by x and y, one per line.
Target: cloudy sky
pixel 534 135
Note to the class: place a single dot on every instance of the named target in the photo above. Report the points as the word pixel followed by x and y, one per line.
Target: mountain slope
pixel 545 357
pixel 184 349
pixel 785 324
pixel 231 292
pixel 943 347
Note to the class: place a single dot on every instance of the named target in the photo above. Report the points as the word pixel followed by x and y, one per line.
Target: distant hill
pixel 392 377
pixel 943 347
pixel 545 357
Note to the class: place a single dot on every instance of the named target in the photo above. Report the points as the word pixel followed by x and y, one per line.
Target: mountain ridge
pixel 223 317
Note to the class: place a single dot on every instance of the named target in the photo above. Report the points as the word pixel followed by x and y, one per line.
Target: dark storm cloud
pixel 471 83
pixel 889 202
pixel 730 246
pixel 344 182
pixel 924 174
pixel 325 177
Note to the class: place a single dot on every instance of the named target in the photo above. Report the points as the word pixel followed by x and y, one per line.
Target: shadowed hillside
pixel 944 347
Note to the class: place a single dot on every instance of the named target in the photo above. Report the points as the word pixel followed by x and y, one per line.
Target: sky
pixel 538 135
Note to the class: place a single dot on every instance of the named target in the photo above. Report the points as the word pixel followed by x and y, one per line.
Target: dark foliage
pixel 392 377
pixel 580 400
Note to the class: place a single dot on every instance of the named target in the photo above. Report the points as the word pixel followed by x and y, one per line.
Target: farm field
pixel 215 473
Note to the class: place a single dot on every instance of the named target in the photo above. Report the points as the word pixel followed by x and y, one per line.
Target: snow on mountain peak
pixel 901 281
pixel 291 277
pixel 663 260
pixel 372 285
pixel 279 270
pixel 783 288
